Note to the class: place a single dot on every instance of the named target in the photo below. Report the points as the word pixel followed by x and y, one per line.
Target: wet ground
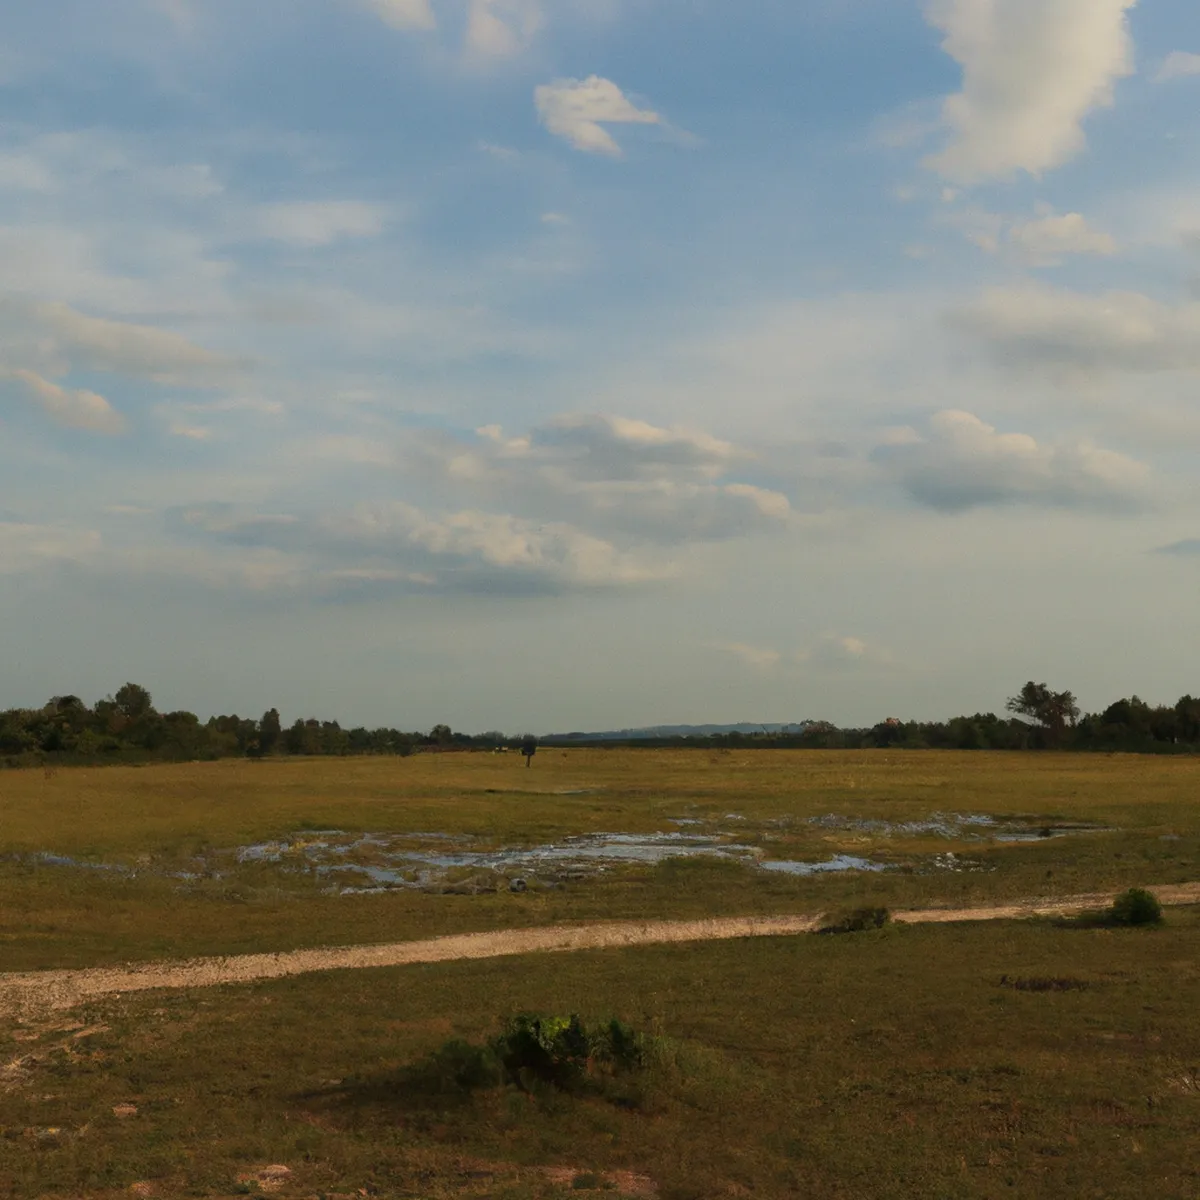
pixel 356 863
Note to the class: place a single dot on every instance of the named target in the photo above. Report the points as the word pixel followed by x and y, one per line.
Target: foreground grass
pixel 898 1063
pixel 51 916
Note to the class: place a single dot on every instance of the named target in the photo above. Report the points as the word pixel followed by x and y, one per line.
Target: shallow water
pixel 959 827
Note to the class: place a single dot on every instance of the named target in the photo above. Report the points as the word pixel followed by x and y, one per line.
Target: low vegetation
pixel 769 1059
pixel 1136 907
pixel 174 829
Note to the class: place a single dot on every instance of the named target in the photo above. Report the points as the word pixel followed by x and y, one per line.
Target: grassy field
pixel 1030 1059
pixel 902 1063
pixel 158 820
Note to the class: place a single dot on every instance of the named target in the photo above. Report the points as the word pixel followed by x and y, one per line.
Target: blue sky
pixel 578 363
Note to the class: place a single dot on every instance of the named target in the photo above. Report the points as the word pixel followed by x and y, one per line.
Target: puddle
pixel 959 827
pixel 839 862
pixel 46 859
pixel 348 863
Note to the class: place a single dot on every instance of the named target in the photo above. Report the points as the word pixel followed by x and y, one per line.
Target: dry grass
pixel 887 1064
pixel 164 815
pixel 961 1061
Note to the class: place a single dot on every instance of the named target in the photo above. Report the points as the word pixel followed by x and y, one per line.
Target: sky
pixel 575 364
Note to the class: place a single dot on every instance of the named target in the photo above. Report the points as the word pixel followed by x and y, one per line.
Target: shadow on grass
pixel 541 1056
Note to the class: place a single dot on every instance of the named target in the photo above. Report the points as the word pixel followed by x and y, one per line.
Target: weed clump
pixel 860 921
pixel 1136 907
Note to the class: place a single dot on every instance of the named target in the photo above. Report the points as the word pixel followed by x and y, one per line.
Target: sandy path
pixel 25 994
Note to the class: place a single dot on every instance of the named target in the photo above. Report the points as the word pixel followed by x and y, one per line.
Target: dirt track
pixel 27 994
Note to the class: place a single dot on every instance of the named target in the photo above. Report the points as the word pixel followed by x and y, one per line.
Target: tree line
pixel 1037 718
pixel 127 727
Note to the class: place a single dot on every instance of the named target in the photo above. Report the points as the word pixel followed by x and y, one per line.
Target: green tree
pixel 133 702
pixel 1053 711
pixel 270 730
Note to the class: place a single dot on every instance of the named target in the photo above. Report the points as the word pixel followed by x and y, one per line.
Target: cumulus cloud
pixel 1123 331
pixel 964 463
pixel 403 14
pixel 400 544
pixel 1179 65
pixel 611 475
pixel 70 408
pixel 1032 71
pixel 578 110
pixel 320 223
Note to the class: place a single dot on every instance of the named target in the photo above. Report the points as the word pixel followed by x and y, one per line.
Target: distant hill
pixel 675 731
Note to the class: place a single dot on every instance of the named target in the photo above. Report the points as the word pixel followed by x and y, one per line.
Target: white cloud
pixel 320 223
pixel 503 153
pixel 1044 241
pixel 72 409
pixel 128 349
pixel 838 652
pixel 1113 331
pixel 1040 242
pixel 610 475
pixel 403 14
pixel 578 110
pixel 758 658
pixel 1179 65
pixel 26 547
pixel 963 463
pixel 456 551
pixel 1032 71
pixel 496 28
pixel 25 173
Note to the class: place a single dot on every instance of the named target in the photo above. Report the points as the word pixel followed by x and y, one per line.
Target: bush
pixel 1136 907
pixel 562 1051
pixel 860 920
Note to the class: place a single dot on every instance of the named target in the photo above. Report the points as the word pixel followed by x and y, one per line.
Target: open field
pixel 161 822
pixel 1034 1057
pixel 903 1063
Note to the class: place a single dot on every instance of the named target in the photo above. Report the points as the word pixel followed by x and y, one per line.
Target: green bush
pixel 1136 907
pixel 860 920
pixel 562 1051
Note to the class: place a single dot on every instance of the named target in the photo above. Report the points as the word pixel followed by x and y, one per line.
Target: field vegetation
pixel 157 823
pixel 1034 1058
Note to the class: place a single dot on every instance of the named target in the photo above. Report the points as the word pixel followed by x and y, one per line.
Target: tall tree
pixel 270 730
pixel 133 701
pixel 1053 711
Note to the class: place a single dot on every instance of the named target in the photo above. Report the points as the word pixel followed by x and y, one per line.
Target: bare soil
pixel 23 995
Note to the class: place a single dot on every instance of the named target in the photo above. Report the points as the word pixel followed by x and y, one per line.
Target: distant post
pixel 529 748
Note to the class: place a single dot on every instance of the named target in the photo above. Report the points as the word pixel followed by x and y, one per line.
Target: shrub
pixel 1136 907
pixel 860 920
pixel 562 1051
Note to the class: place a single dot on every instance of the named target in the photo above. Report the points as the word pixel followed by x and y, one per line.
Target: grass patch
pixel 771 1057
pixel 167 815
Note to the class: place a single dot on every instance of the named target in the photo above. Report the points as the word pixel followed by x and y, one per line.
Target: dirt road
pixel 37 991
